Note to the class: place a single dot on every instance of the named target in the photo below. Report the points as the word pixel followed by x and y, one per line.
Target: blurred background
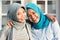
pixel 48 6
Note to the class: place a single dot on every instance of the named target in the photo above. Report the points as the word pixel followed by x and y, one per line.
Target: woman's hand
pixel 52 18
pixel 9 24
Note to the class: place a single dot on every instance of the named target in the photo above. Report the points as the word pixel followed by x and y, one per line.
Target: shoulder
pixel 5 27
pixel 55 26
pixel 55 23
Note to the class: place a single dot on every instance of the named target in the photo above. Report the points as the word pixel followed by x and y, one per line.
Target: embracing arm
pixel 51 17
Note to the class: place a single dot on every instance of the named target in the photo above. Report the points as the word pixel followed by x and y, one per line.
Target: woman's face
pixel 33 16
pixel 21 15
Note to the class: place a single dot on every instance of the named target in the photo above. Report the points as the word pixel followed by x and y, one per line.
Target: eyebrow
pixel 23 7
pixel 33 12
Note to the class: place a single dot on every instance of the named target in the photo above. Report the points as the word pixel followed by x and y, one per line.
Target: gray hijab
pixel 12 11
pixel 12 15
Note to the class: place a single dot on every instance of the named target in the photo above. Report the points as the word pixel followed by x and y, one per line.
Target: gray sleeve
pixel 4 32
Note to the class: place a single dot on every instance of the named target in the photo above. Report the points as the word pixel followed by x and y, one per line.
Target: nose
pixel 23 15
pixel 33 16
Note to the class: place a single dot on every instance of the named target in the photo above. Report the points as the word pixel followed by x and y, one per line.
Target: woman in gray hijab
pixel 18 31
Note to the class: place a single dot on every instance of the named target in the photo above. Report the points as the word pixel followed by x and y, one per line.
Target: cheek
pixel 25 14
pixel 36 15
pixel 37 19
pixel 30 19
pixel 18 17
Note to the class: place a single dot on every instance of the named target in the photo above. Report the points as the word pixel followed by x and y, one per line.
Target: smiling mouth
pixel 22 19
pixel 34 19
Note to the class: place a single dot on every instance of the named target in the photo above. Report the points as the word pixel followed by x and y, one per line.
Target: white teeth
pixel 34 18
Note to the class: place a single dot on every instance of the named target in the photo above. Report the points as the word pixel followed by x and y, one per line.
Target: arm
pixel 9 24
pixel 51 17
pixel 56 30
pixel 4 32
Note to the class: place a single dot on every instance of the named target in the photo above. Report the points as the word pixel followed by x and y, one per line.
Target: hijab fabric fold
pixel 12 11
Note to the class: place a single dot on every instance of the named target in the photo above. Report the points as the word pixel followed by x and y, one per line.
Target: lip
pixel 34 19
pixel 21 19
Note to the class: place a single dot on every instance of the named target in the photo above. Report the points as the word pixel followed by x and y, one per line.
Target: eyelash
pixel 33 12
pixel 18 14
pixel 23 11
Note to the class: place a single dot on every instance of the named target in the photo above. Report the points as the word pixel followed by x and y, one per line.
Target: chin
pixel 21 21
pixel 36 21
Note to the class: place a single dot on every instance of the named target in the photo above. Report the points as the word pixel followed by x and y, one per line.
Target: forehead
pixel 20 9
pixel 31 10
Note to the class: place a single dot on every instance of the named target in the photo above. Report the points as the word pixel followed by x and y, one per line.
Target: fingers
pixel 9 24
pixel 51 17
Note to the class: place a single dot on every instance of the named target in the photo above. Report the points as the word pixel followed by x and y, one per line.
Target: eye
pixel 29 15
pixel 33 12
pixel 24 11
pixel 18 14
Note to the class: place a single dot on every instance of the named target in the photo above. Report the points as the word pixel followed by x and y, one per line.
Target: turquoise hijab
pixel 43 22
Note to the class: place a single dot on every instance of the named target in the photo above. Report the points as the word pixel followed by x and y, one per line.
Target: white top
pixel 52 32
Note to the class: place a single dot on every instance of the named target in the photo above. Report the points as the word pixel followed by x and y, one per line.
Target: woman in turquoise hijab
pixel 42 27
pixel 43 20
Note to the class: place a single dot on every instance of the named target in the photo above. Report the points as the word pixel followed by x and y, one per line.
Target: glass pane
pixel 17 2
pixel 52 6
pixel 5 0
pixel 41 5
pixel 4 20
pixel 5 6
pixel 40 0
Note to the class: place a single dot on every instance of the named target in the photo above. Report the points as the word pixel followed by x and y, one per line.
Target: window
pixel 5 6
pixel 50 7
pixel 41 5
